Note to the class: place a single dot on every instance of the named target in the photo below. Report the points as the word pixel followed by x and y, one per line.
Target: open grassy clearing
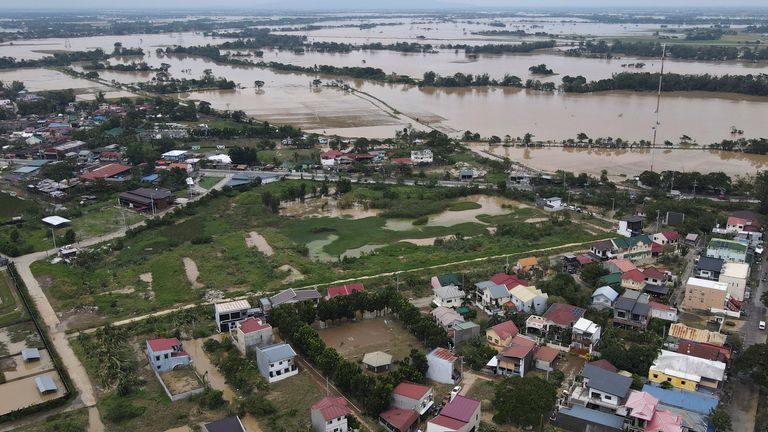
pixel 293 397
pixel 76 420
pixel 11 206
pixel 112 280
pixel 10 309
pixel 208 182
pixel 354 339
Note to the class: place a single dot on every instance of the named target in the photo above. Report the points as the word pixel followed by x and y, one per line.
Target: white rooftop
pixel 735 270
pixel 682 365
pixel 55 220
pixel 174 153
pixel 584 325
pixel 232 306
pixel 526 293
pixel 707 283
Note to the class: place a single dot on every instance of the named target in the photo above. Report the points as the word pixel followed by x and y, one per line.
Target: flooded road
pixel 633 162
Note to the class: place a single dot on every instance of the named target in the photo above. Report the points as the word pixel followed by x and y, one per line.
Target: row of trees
pixel 165 84
pixel 680 51
pixel 755 85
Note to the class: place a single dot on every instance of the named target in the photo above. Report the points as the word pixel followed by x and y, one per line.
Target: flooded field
pixel 25 393
pixel 15 367
pixel 15 338
pixel 48 79
pixel 633 162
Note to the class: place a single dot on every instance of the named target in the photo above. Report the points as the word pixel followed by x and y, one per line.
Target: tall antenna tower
pixel 658 105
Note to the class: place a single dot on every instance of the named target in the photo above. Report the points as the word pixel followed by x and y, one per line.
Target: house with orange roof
pixel 517 358
pixel 527 264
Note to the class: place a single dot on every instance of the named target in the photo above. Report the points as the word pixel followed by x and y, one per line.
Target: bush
pixel 119 410
pixel 257 405
pixel 210 399
pixel 202 239
pixel 421 220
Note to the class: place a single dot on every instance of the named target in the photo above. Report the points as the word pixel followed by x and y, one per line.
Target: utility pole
pixel 658 105
pixel 695 183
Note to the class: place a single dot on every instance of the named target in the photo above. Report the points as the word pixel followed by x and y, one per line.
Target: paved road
pixel 756 311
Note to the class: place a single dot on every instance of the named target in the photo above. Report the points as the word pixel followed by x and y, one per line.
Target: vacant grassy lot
pixel 293 398
pixel 10 310
pixel 352 340
pixel 208 182
pixel 11 206
pixel 76 420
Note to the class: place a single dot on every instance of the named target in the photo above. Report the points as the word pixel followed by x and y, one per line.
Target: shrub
pixel 120 410
pixel 257 405
pixel 202 239
pixel 421 220
pixel 210 399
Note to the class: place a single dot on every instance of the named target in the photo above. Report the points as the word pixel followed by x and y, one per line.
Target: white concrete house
pixel 449 296
pixel 417 397
pixel 443 366
pixel 585 335
pixel 329 414
pixel 603 297
pixel 252 332
pixel 166 354
pixel 735 275
pixel 422 156
pixel 529 299
pixel 276 362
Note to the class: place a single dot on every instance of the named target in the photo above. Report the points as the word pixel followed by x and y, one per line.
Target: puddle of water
pixel 325 207
pixel 15 338
pixel 491 206
pixel 317 252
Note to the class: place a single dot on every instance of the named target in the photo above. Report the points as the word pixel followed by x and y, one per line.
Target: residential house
pixel 736 224
pixel 604 249
pixel 619 266
pixel 166 354
pixel 461 414
pixel 585 336
pixel 443 366
pixel 291 296
pixel 633 280
pixel 551 204
pixel 464 331
pixel 642 413
pixel 545 358
pixel 175 156
pixel 666 238
pixel 252 332
pixel 344 290
pixel 708 268
pixel 508 280
pixel 399 420
pixel 329 414
pixel 728 250
pixel 655 276
pixel 527 264
pixel 735 276
pixel 147 199
pixel 686 372
pixel 603 298
pixel 228 314
pixel 703 294
pixel 528 299
pixel 416 397
pixel 600 388
pixel 705 351
pixel 276 362
pixel 109 172
pixel 449 296
pixel 445 280
pixel 663 312
pixel 446 317
pixel 422 157
pixel 696 402
pixel 516 359
pixel 692 239
pixel 500 336
pixel 492 298
pixel 558 317
pixel 683 332
pixel 630 226
pixel 579 418
pixel 377 361
pixel 228 424
pixel 328 158
pixel 612 280
pixel 632 310
pixel 637 247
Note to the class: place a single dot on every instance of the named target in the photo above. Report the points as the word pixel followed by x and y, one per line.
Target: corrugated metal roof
pixel 232 306
pixel 276 352
pixel 697 402
pixel 45 384
pixel 682 331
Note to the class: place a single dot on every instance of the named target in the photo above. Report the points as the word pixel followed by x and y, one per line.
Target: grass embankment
pixel 112 280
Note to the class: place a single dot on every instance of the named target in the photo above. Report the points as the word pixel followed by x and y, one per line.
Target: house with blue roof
pixel 491 297
pixel 579 418
pixel 697 402
pixel 604 297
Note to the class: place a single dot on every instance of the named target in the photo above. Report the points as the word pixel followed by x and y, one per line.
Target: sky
pixel 149 5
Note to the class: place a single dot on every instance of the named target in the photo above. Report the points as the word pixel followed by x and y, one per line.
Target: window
pixel 608 397
pixel 157 358
pixel 655 375
pixel 682 382
pixel 165 356
pixel 669 379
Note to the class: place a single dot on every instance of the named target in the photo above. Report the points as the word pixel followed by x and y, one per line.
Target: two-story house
pixel 500 336
pixel 642 413
pixel 228 314
pixel 276 362
pixel 585 336
pixel 166 354
pixel 528 299
pixel 637 247
pixel 633 280
pixel 492 298
pixel 708 268
pixel 461 414
pixel 517 358
pixel 687 372
pixel 630 226
pixel 443 366
pixel 559 317
pixel 329 414
pixel 632 310
pixel 417 397
pixel 449 296
pixel 252 332
pixel 600 388
pixel 446 317
pixel 603 298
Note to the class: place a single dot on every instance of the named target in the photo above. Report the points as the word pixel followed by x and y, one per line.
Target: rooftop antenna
pixel 658 105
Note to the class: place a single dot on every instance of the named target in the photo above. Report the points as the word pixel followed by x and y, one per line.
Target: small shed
pixel 377 361
pixel 30 354
pixel 45 384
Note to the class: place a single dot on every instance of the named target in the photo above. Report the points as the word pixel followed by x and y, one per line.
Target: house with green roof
pixel 728 250
pixel 637 247
pixel 613 280
pixel 442 280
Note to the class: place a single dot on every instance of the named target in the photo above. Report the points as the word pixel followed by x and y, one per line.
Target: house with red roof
pixel 736 224
pixel 344 290
pixel 509 281
pixel 704 351
pixel 166 354
pixel 405 161
pixel 517 359
pixel 443 366
pixel 329 414
pixel 655 276
pixel 328 158
pixel 633 279
pixel 619 265
pixel 666 238
pixel 563 315
pixel 663 311
pixel 545 357
pixel 500 336
pixel 109 172
pixel 416 397
pixel 399 420
pixel 461 414
pixel 252 332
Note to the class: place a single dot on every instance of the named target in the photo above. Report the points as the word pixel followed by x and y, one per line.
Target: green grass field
pixel 208 182
pixel 293 398
pixel 10 310
pixel 13 206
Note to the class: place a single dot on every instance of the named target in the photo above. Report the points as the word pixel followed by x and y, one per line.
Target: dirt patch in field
pixel 293 276
pixel 258 241
pixel 127 290
pixel 536 220
pixel 147 279
pixel 352 340
pixel 190 268
pixel 181 380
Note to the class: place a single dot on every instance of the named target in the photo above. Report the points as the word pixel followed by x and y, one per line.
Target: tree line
pixel 57 59
pixel 524 47
pixel 654 49
pixel 755 85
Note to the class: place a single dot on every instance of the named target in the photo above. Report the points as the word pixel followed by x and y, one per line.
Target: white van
pixel 761 326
